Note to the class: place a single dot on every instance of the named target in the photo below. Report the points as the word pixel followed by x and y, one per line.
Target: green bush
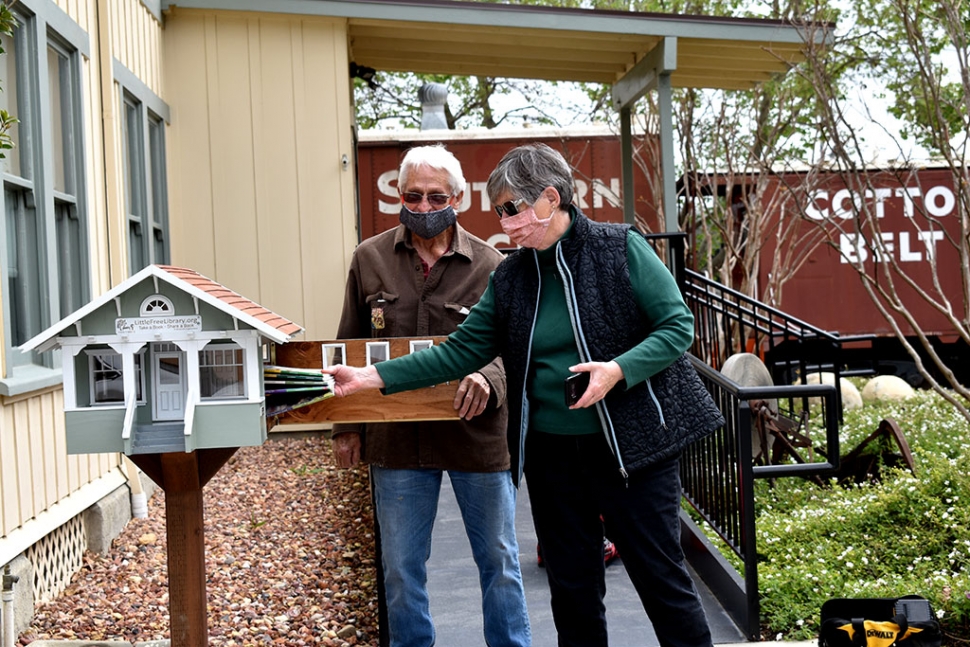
pixel 904 535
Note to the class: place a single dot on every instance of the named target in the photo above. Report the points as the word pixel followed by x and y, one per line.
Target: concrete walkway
pixel 456 595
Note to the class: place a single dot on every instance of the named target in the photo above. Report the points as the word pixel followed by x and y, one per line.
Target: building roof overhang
pixel 550 43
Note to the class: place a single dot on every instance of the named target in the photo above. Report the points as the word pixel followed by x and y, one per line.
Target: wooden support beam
pixel 186 549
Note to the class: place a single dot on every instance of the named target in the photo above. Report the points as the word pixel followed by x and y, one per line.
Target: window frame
pixel 94 354
pixel 43 28
pixel 230 346
pixel 143 117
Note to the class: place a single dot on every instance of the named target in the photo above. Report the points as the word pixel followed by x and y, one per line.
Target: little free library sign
pixel 134 325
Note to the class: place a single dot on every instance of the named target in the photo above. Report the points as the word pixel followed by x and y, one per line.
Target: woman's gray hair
pixel 437 157
pixel 527 170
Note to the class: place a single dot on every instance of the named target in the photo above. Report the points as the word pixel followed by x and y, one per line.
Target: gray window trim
pixel 151 169
pixel 46 25
pixel 136 178
pixel 56 20
pixel 71 88
pixel 158 170
pixel 137 88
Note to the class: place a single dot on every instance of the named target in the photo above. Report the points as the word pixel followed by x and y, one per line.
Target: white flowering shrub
pixel 908 534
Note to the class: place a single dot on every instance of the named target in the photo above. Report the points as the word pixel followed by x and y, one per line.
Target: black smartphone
pixel 576 385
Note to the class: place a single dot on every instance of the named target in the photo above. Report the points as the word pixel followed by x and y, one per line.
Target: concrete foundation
pixel 106 519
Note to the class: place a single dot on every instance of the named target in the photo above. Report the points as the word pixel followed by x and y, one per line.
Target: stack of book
pixel 289 388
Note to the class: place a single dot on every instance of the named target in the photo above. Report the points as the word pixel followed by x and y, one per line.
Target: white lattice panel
pixel 56 558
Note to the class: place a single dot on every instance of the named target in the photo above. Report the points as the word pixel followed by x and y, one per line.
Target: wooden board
pixel 431 403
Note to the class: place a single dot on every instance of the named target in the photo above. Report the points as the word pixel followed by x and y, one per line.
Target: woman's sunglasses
pixel 510 208
pixel 436 200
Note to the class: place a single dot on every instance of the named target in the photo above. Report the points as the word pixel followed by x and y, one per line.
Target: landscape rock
pixel 884 388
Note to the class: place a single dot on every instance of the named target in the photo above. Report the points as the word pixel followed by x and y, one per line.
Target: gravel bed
pixel 289 558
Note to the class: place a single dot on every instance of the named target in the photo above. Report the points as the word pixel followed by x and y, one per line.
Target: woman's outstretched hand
pixel 350 379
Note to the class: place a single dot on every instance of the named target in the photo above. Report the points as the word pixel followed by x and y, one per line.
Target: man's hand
pixel 349 379
pixel 471 398
pixel 346 449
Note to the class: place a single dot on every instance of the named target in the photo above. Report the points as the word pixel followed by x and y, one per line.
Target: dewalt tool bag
pixel 879 622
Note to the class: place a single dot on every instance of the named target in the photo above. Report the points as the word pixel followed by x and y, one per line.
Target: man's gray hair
pixel 527 170
pixel 437 157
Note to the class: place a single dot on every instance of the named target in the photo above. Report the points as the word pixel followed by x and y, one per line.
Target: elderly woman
pixel 594 299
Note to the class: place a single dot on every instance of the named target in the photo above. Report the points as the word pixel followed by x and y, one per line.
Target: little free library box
pixel 171 361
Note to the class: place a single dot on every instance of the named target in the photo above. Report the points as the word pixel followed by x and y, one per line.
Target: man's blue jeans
pixel 406 502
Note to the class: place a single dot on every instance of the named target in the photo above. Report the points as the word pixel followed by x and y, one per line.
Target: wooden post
pixel 182 476
pixel 186 550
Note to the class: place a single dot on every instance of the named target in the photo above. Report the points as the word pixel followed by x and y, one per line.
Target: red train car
pixel 916 216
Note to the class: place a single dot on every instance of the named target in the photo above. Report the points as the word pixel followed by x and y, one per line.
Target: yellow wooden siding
pixel 258 198
pixel 135 40
pixel 81 11
pixel 328 210
pixel 35 470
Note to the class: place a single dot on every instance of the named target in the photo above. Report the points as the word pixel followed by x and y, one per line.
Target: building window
pixel 106 371
pixel 44 250
pixel 221 371
pixel 65 133
pixel 147 207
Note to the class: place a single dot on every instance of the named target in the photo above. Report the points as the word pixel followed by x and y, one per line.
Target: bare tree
pixel 901 42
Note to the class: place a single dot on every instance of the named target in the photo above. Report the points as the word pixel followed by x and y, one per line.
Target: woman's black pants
pixel 572 481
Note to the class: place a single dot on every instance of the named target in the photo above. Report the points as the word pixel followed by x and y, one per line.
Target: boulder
pixel 851 398
pixel 747 369
pixel 883 388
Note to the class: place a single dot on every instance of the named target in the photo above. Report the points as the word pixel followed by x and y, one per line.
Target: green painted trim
pixel 626 164
pixel 95 430
pixel 555 18
pixel 55 18
pixel 669 179
pixel 30 377
pixel 643 76
pixel 229 424
pixel 137 88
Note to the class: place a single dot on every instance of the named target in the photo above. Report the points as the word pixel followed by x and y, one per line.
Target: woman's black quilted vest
pixel 607 322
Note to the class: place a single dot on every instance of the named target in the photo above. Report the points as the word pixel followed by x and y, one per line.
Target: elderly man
pixel 420 279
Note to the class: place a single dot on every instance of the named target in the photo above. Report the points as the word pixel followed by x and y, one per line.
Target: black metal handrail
pixel 718 472
pixel 727 322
